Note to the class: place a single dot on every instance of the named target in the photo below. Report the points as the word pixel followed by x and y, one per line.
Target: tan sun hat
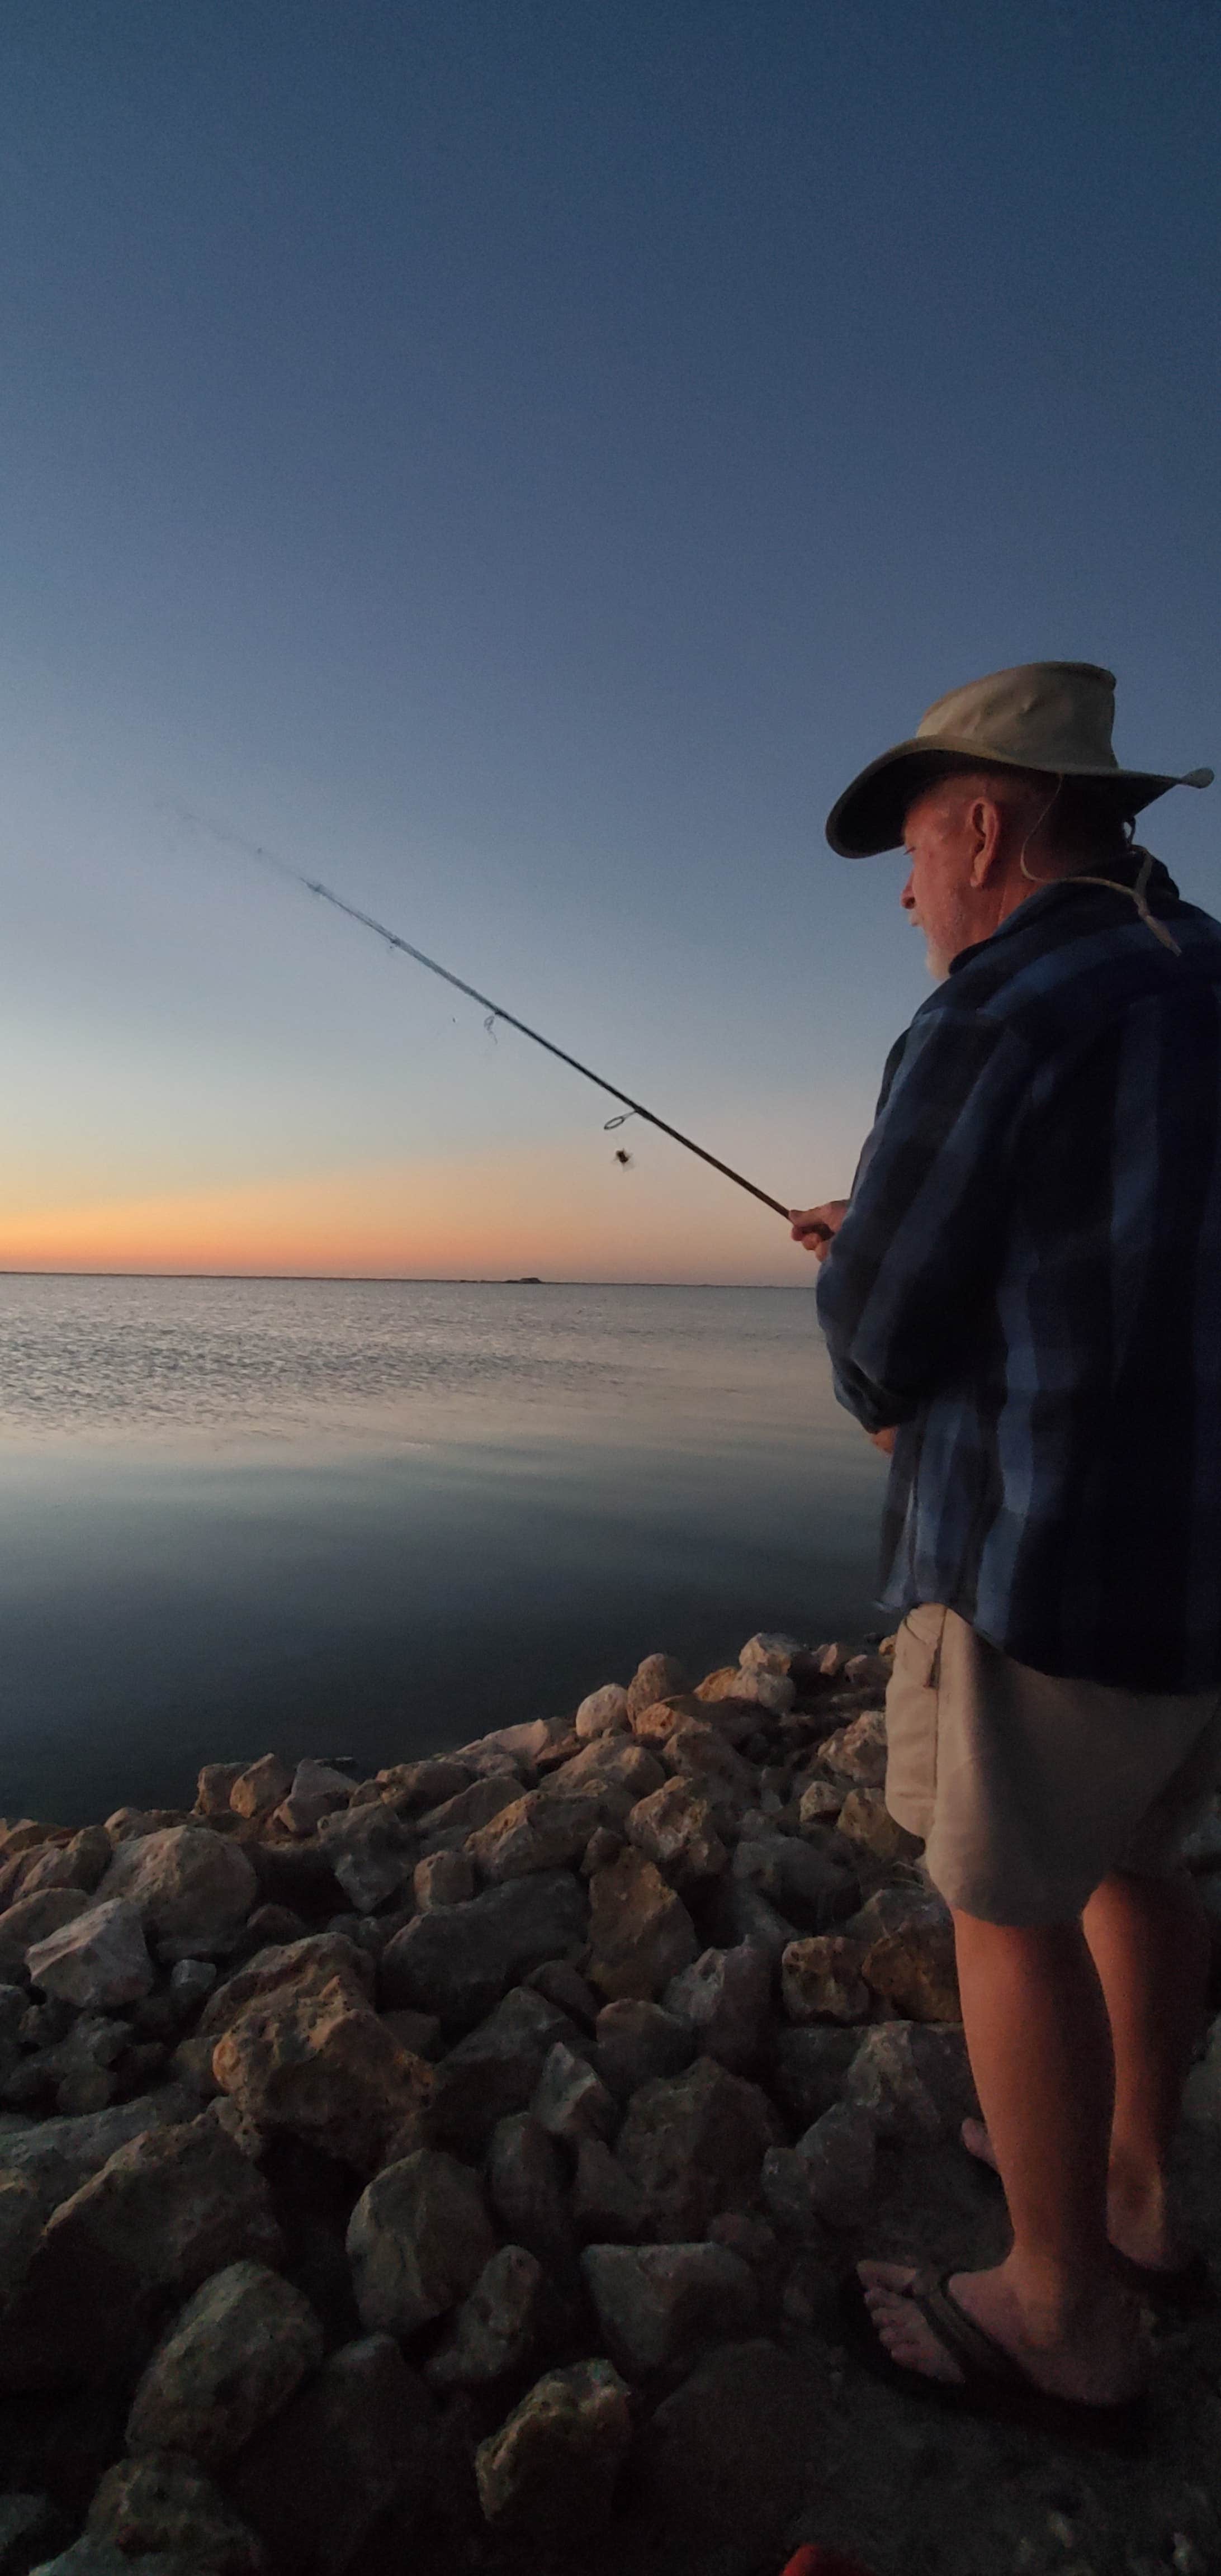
pixel 1053 716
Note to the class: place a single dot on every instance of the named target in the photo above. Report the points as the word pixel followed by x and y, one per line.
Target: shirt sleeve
pixel 903 1291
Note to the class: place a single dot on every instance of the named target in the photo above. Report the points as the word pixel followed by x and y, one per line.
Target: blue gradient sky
pixel 518 459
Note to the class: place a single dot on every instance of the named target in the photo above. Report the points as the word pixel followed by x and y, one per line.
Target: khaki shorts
pixel 1027 1790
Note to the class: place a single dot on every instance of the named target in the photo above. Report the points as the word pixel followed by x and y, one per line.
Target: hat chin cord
pixel 1136 893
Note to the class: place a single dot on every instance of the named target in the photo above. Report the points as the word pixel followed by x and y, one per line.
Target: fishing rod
pixel 495 1010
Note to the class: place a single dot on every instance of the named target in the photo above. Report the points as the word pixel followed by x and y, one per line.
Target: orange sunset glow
pixel 561 1211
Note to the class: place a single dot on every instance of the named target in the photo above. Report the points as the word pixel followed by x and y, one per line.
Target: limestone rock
pixel 871 1672
pixel 550 2471
pixel 865 1819
pixel 641 1934
pixel 840 2154
pixel 675 1829
pixel 127 1824
pixel 214 1786
pixel 638 2040
pixel 418 2239
pixel 809 1885
pixel 317 1791
pixel 371 1853
pixel 499 2327
pixel 744 1913
pixel 20 2229
pixel 494 2070
pixel 657 1677
pixel 260 1788
pixel 231 2359
pixel 163 2502
pixel 415 1787
pixel 99 1961
pixel 307 1967
pixel 821 1802
pixel 172 2207
pixel 354 2440
pixel 725 2000
pixel 526 2189
pixel 856 1753
pixel 610 1763
pixel 325 2068
pixel 820 1980
pixel 810 2066
pixel 913 2079
pixel 57 2156
pixel 608 2208
pixel 537 1831
pixel 163 2214
pixel 916 1970
pixel 445 1878
pixel 653 1726
pixel 472 1807
pixel 700 1753
pixel 570 2101
pixel 693 2144
pixel 458 1960
pixel 192 1888
pixel 770 1653
pixel 754 1683
pixel 27 2523
pixel 603 1712
pixel 565 1987
pixel 787 2187
pixel 90 2557
pixel 656 2302
pixel 82 1862
pixel 32 1918
pixel 738 2448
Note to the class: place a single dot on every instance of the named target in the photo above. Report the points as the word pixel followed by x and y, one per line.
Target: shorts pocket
pixel 911 1719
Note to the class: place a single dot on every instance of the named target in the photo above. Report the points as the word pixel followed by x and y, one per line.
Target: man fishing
pixel 1022 1300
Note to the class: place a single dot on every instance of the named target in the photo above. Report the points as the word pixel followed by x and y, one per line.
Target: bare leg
pixel 1149 1941
pixel 1040 2050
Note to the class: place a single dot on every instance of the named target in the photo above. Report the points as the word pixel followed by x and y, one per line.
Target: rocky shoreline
pixel 454 2169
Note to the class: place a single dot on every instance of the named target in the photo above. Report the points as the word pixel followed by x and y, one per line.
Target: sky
pixel 516 461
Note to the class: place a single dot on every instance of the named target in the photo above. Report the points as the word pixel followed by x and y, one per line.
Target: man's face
pixel 942 842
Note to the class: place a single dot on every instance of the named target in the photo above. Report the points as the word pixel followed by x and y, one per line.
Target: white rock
pixel 840 2153
pixel 770 1653
pixel 604 1712
pixel 317 1791
pixel 99 1962
pixel 193 1889
pixel 770 1690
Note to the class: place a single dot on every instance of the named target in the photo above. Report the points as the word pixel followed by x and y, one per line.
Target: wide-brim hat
pixel 1050 716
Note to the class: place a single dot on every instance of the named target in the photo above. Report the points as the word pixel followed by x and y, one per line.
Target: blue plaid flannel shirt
pixel 1028 1284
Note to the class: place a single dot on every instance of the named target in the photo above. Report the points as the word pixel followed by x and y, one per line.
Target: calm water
pixel 374 1518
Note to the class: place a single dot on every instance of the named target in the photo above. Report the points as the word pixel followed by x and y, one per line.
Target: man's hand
pixel 814 1228
pixel 884 1440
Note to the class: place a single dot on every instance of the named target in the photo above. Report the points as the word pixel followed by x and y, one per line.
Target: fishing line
pixel 494 1010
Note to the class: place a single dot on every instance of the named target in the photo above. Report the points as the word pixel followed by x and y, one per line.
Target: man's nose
pixel 907 898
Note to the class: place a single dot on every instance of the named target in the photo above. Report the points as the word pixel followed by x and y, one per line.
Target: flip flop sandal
pixel 993 2384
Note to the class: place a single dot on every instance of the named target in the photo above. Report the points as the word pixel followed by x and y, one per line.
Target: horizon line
pixel 401 1279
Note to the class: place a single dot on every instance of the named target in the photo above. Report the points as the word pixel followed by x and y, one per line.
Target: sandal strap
pixel 977 2353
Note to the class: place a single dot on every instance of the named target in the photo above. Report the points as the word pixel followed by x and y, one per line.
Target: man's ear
pixel 985 823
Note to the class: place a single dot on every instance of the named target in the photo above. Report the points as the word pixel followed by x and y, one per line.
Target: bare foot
pixel 1139 2224
pixel 1099 2360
